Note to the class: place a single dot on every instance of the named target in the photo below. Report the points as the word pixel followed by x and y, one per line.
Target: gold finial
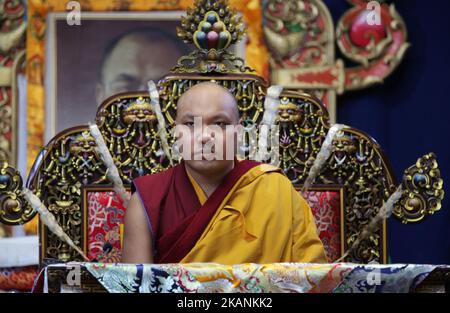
pixel 212 27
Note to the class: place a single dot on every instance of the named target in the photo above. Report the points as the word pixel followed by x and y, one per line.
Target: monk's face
pixel 206 123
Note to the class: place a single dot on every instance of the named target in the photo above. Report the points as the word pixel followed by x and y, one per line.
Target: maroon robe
pixel 176 217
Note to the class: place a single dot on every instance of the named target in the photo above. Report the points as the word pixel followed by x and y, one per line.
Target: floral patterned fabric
pixel 18 278
pixel 255 278
pixel 106 215
pixel 326 208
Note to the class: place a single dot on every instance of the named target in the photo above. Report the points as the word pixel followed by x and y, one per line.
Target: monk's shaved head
pixel 209 92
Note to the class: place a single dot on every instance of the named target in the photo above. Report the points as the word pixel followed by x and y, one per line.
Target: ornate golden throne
pixel 350 189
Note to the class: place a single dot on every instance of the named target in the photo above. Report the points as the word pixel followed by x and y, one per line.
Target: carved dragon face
pixel 83 144
pixel 138 112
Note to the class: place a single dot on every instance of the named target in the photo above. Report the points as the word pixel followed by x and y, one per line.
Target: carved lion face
pixel 343 145
pixel 138 112
pixel 83 143
pixel 288 112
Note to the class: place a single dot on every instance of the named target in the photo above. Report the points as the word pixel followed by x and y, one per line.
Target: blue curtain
pixel 409 116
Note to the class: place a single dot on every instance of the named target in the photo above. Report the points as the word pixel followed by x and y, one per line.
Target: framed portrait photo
pixel 109 53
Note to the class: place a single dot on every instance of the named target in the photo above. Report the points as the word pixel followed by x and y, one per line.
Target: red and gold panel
pixel 327 205
pixel 104 215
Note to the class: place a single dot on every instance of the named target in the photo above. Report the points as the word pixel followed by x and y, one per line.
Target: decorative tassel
pixel 271 104
pixel 154 97
pixel 322 156
pixel 384 213
pixel 113 172
pixel 49 220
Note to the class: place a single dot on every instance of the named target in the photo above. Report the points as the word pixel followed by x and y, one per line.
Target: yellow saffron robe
pixel 263 219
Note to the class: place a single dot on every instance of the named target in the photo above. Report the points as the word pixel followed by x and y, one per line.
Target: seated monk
pixel 217 209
